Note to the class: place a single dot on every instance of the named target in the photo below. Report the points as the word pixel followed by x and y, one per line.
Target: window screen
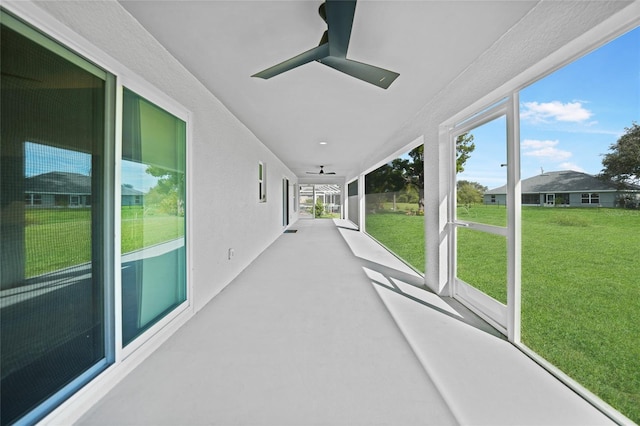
pixel 51 227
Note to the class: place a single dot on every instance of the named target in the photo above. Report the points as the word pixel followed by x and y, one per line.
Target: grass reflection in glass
pixel 59 238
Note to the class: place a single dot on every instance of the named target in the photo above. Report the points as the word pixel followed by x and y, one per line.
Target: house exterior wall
pixel 575 200
pixel 130 200
pixel 605 199
pixel 57 200
pixel 48 200
pixel 498 199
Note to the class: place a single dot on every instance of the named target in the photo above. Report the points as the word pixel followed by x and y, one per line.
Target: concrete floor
pixel 328 328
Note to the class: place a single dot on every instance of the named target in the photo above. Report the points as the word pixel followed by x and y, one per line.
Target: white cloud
pixel 538 144
pixel 572 166
pixel 555 111
pixel 544 149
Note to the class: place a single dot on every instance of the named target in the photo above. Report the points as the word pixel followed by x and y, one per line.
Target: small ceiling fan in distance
pixel 321 172
pixel 332 50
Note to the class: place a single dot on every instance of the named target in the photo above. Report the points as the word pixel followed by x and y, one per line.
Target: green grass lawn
pixel 60 238
pixel 402 234
pixel 580 286
pixel 329 216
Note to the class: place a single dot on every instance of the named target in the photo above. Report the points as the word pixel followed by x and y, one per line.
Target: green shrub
pixel 319 210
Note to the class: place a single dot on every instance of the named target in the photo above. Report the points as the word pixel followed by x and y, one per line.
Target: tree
pixel 622 164
pixel 168 194
pixel 408 173
pixel 386 179
pixel 469 192
pixel 464 148
pixel 412 172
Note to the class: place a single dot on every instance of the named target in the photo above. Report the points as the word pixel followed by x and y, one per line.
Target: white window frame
pixel 590 198
pixel 185 309
pixel 262 182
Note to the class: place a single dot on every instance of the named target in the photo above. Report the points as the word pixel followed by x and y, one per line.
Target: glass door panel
pixel 153 215
pixel 482 260
pixel 352 202
pixel 52 315
pixel 481 218
pixel 307 198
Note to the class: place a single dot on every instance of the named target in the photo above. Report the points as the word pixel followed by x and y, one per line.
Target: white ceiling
pixel 429 43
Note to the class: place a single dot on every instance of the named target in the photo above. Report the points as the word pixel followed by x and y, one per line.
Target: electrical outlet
pixel 232 253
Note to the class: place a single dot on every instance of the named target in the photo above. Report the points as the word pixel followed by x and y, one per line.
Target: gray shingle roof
pixel 66 183
pixel 562 181
pixel 127 190
pixel 59 183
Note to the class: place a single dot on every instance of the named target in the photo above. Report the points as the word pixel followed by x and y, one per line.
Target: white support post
pixel 344 200
pixel 514 221
pixel 361 203
pixel 437 169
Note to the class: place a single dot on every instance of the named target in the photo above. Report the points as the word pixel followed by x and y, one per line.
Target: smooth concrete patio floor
pixel 328 328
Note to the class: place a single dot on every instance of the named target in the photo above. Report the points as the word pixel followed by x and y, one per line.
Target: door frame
pixel 506 318
pixel 549 199
pixel 285 202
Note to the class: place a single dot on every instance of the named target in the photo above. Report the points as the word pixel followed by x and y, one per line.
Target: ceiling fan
pixel 321 172
pixel 332 50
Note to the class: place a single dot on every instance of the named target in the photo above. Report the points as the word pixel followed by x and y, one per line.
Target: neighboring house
pixel 564 188
pixel 131 197
pixel 65 189
pixel 58 189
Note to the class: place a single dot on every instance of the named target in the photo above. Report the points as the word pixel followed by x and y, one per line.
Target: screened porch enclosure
pixel 160 264
pixel 320 201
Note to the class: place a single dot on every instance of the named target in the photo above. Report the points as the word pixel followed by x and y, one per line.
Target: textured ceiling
pixel 430 43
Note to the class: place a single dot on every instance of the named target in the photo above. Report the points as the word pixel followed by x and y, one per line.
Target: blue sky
pixel 569 118
pixel 135 174
pixel 43 159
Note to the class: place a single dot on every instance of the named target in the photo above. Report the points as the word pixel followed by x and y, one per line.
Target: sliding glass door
pixel 54 335
pixel 153 214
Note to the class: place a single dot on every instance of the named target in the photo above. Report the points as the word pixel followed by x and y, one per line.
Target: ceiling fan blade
pixel 312 173
pixel 329 173
pixel 340 20
pixel 311 55
pixel 369 73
